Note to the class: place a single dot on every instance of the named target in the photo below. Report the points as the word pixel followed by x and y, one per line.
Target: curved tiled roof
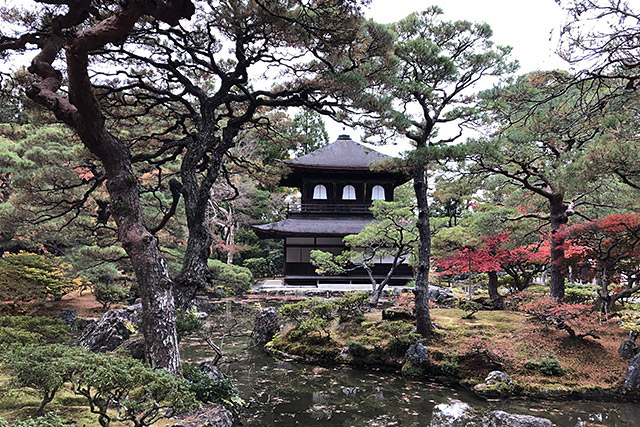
pixel 330 226
pixel 343 153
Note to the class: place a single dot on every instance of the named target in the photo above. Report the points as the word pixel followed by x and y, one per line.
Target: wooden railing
pixel 341 208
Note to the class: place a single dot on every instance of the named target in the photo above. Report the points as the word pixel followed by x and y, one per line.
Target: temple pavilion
pixel 337 186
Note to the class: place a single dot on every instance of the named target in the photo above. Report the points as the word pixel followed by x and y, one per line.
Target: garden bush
pixel 469 307
pixel 33 329
pixel 107 294
pixel 43 367
pixel 233 279
pixel 575 293
pixel 578 320
pixel 207 390
pixel 548 366
pixel 188 323
pixel 26 277
pixel 259 267
pixel 141 394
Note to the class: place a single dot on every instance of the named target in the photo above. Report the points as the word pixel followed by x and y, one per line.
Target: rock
pixel 212 371
pixel 210 415
pixel 504 419
pixel 632 377
pixel 70 317
pixel 417 354
pixel 498 377
pixel 628 349
pixel 111 330
pixel 455 414
pixel 442 296
pixel 86 324
pixel 496 384
pixel 344 353
pixel 267 324
pixel 135 347
pixel 396 314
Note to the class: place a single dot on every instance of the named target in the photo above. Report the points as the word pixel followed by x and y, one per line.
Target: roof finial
pixel 344 135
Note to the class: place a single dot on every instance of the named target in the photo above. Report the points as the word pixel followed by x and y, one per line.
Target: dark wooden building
pixel 337 187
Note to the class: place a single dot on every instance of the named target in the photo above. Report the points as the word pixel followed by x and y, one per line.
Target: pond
pixel 285 393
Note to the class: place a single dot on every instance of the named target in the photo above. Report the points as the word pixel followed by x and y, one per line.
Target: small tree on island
pixel 392 234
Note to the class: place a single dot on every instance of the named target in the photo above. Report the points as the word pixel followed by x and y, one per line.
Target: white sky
pixel 530 27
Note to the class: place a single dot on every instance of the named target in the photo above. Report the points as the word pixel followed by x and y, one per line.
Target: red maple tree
pixel 494 253
pixel 610 248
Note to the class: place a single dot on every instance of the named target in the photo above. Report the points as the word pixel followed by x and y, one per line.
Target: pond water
pixel 285 393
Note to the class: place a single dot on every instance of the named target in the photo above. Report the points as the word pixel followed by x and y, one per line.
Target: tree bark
pixel 82 111
pixel 193 274
pixel 493 285
pixel 421 290
pixel 558 218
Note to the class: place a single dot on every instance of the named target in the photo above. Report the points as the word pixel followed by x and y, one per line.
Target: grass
pixel 21 403
pixel 514 339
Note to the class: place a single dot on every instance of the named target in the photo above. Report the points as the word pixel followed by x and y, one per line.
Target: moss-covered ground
pixel 542 361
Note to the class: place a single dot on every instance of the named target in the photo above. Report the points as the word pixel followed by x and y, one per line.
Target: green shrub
pixel 580 294
pixel 142 395
pixel 13 335
pixel 451 367
pixel 470 307
pixel 43 367
pixel 548 366
pixel 50 419
pixel 188 323
pixel 367 352
pixel 32 329
pixel 259 267
pixel 352 306
pixel 358 350
pixel 27 277
pixel 234 279
pixel 207 390
pixel 107 294
pixel 551 367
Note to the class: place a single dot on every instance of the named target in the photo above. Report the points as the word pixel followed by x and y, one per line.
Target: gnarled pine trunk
pixel 421 290
pixel 558 218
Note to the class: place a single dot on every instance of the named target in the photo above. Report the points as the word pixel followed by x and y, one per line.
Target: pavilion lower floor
pixel 303 274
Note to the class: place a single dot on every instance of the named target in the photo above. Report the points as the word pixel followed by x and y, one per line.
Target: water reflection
pixel 283 393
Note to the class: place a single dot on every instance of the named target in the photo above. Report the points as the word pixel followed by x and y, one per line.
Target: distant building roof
pixel 344 153
pixel 331 226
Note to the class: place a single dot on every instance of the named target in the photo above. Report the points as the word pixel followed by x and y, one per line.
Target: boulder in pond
pixel 111 330
pixel 455 414
pixel 417 354
pixel 504 419
pixel 210 415
pixel 211 370
pixel 632 377
pixel 496 384
pixel 266 325
pixel 498 377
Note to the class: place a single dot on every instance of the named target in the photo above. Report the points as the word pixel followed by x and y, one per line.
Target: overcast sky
pixel 529 27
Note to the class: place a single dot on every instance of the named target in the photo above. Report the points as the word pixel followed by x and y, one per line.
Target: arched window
pixel 349 192
pixel 320 192
pixel 377 193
